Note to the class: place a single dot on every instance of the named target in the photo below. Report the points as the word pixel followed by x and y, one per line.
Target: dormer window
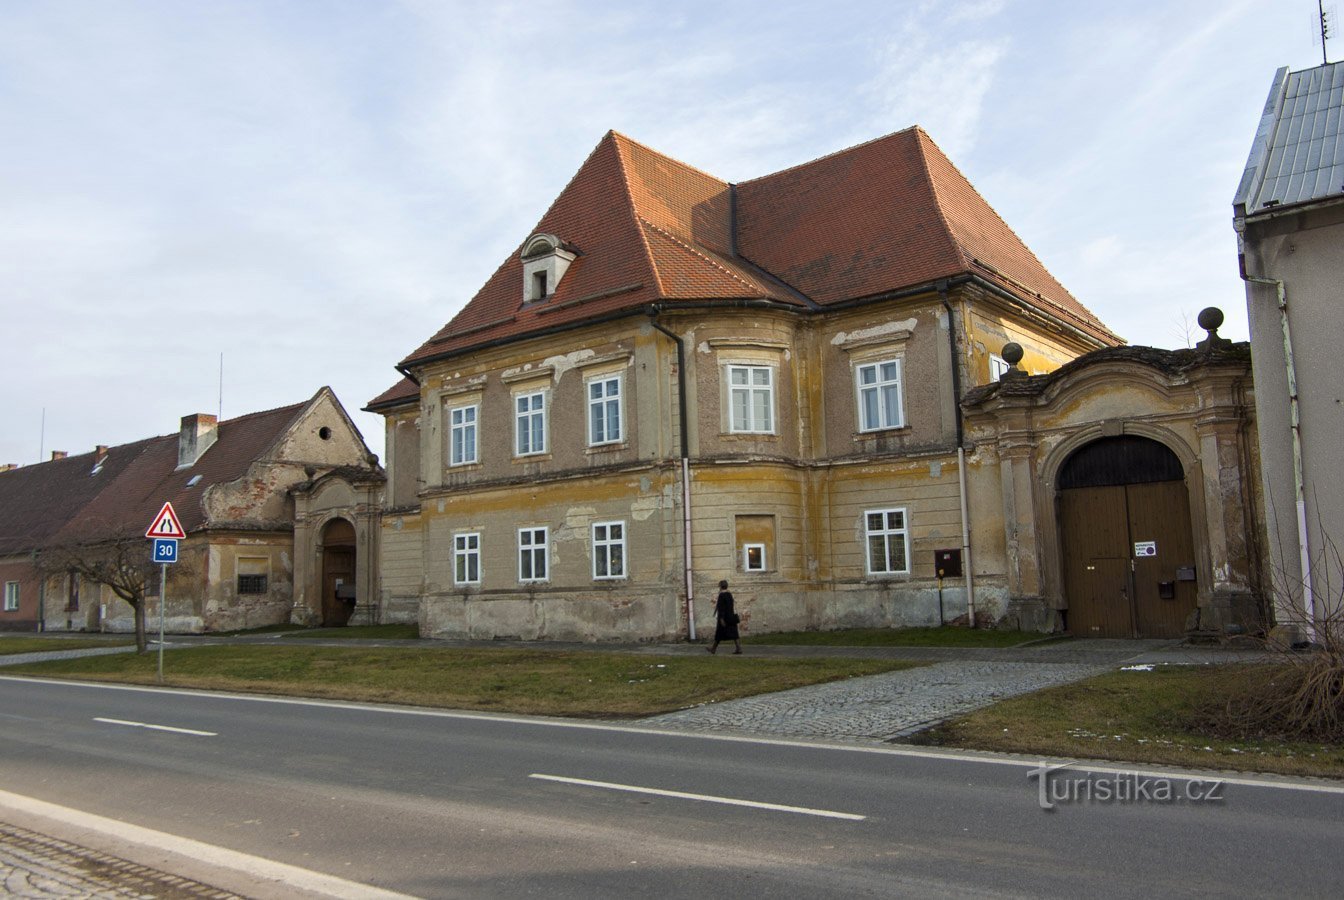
pixel 545 260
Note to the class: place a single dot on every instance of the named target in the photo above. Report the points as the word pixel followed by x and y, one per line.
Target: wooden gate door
pixel 1094 525
pixel 338 567
pixel 1159 513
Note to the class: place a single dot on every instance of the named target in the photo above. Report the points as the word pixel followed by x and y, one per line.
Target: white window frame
pixel 465 430
pixel 602 409
pixel 466 553
pixel 11 596
pixel 750 390
pixel 534 413
pixel 536 547
pixel 998 367
pixel 746 558
pixel 886 531
pixel 886 418
pixel 602 550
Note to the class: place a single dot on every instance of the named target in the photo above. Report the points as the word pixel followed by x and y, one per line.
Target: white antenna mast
pixel 221 386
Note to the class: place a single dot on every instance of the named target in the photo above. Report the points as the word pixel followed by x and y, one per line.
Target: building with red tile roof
pixel 243 489
pixel 676 379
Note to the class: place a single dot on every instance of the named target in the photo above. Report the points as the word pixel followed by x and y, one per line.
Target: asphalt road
pixel 441 804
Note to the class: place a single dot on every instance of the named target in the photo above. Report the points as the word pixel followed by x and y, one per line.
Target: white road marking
pixel 157 727
pixel 707 798
pixel 1285 782
pixel 291 876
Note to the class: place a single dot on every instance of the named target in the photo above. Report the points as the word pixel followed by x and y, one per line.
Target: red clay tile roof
pixel 889 214
pixel 399 394
pixel 61 502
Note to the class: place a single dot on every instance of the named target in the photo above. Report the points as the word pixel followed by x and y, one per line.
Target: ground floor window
pixel 467 558
pixel 532 544
pixel 11 596
pixel 608 550
pixel 888 542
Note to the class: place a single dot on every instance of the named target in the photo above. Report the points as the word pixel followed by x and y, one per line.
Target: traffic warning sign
pixel 166 524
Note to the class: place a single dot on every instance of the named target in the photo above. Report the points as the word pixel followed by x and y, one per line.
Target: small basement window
pixel 251 584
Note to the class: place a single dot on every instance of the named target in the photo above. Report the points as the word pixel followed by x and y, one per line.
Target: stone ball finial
pixel 1210 318
pixel 1012 353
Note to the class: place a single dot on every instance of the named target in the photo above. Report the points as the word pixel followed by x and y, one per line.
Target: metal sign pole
pixel 163 596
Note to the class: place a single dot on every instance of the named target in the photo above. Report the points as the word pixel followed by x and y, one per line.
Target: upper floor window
pixel 532 545
pixel 608 550
pixel 604 410
pixel 530 417
pixel 751 399
pixel 11 596
pixel 467 558
pixel 879 390
pixel 888 542
pixel 998 367
pixel 462 434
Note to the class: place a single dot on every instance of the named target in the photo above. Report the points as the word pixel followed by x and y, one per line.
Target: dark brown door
pixel 1159 515
pixel 1096 565
pixel 1114 588
pixel 338 568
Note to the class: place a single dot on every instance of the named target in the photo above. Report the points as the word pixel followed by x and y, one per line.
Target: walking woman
pixel 725 620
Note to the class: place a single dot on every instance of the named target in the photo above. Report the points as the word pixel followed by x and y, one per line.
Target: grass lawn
pixel 10 645
pixel 1135 716
pixel 902 637
pixel 495 679
pixel 366 632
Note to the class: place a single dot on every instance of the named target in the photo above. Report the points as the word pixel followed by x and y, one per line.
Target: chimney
pixel 8 467
pixel 58 454
pixel 197 436
pixel 100 451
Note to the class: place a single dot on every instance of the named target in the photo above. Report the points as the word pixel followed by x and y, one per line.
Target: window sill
pixel 464 467
pixel 613 447
pixel 749 436
pixel 531 457
pixel 860 436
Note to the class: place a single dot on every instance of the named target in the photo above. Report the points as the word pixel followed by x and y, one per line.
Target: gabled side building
pixel 676 380
pixel 279 508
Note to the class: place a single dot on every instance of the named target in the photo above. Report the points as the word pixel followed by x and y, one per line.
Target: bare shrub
pixel 1299 692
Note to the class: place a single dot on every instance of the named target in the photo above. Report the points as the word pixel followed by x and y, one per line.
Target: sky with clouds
pixel 313 188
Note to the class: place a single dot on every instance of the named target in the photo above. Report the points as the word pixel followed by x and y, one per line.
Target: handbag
pixel 732 618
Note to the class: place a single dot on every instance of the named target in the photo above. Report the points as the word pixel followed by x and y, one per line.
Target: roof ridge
pixel 697 252
pixel 970 258
pixel 629 205
pixel 661 155
pixel 834 153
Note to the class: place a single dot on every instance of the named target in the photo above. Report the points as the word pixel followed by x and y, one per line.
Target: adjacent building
pixel 1289 218
pixel 279 507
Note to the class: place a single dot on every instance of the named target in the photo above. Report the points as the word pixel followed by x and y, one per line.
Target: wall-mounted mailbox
pixel 1166 590
pixel 1185 573
pixel 947 563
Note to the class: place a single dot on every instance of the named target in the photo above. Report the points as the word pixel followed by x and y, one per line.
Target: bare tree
pixel 124 566
pixel 1185 328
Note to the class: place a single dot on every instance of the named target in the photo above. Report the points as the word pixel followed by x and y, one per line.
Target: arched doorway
pixel 1124 519
pixel 338 572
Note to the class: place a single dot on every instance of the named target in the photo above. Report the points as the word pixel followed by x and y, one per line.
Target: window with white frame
pixel 532 543
pixel 879 389
pixel 11 596
pixel 467 558
pixel 530 417
pixel 753 558
pixel 604 410
pixel 998 367
pixel 462 435
pixel 608 550
pixel 751 399
pixel 888 541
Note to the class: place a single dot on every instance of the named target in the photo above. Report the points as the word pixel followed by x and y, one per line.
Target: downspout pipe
pixel 961 455
pixel 689 567
pixel 1295 425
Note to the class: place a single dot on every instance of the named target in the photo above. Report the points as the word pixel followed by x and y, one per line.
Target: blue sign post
pixel 165 532
pixel 165 550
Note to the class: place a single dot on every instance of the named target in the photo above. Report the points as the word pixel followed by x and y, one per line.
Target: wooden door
pixel 1159 514
pixel 338 567
pixel 1094 526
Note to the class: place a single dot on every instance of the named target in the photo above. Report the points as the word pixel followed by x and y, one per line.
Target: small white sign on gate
pixel 1145 548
